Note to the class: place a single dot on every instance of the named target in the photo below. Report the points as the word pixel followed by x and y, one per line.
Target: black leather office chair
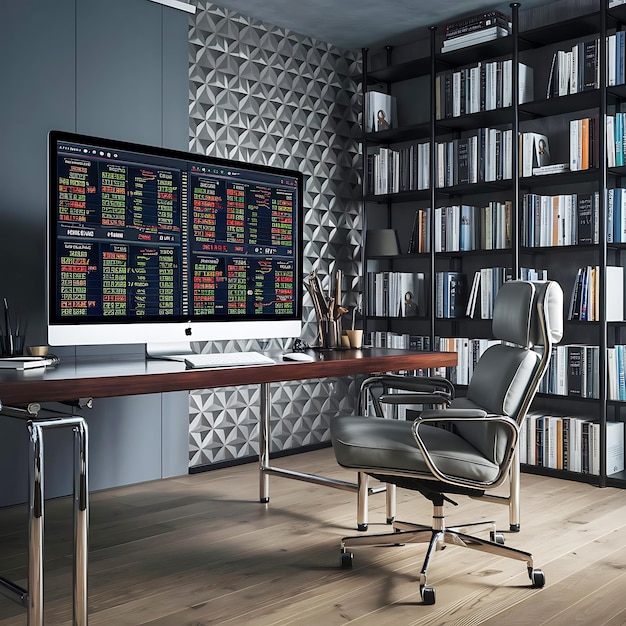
pixel 467 448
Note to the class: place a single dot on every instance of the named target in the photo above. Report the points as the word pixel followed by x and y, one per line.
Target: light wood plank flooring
pixel 201 549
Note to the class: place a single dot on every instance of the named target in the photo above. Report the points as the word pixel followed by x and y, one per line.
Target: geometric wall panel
pixel 266 95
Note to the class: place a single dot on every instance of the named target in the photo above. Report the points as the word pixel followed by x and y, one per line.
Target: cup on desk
pixel 355 337
pixel 345 341
pixel 37 350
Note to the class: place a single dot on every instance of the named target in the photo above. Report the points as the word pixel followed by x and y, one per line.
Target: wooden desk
pixel 131 376
pixel 92 378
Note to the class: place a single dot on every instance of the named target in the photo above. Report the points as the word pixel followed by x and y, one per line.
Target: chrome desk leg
pixel 35 526
pixel 36 518
pixel 361 488
pixel 81 523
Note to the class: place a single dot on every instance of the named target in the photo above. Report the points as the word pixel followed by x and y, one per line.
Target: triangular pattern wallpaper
pixel 262 94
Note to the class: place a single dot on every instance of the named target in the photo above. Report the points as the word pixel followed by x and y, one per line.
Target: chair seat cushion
pixel 378 444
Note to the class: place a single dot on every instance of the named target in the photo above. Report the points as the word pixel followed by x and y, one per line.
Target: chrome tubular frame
pixel 32 598
pixel 266 470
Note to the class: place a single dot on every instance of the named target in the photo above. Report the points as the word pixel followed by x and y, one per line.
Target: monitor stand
pixel 175 351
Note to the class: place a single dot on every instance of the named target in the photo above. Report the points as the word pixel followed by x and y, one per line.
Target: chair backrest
pixel 528 319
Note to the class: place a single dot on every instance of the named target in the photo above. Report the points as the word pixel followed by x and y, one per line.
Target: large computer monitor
pixel 150 245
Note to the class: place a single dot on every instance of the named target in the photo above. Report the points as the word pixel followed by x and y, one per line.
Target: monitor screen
pixel 154 245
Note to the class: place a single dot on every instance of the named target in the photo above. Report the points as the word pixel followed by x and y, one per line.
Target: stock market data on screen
pixel 147 234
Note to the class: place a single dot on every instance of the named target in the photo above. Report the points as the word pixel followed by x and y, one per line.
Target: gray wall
pixel 68 65
pixel 218 83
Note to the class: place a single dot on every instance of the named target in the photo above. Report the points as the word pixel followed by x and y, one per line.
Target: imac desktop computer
pixel 157 246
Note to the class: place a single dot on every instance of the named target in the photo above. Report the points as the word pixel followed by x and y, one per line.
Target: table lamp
pixel 382 242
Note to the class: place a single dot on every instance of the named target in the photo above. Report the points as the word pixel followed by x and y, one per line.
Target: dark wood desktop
pixel 95 378
pixel 87 378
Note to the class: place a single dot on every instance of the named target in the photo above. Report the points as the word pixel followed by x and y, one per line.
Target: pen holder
pixel 329 333
pixel 12 345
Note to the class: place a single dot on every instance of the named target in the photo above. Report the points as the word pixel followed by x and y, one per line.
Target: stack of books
pixel 475 29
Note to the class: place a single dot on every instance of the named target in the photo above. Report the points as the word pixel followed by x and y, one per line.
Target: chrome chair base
pixel 438 537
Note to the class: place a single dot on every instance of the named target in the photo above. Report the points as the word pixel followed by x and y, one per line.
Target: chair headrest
pixel 550 295
pixel 516 312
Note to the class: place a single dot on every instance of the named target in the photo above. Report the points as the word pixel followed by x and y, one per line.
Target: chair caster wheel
pixel 497 538
pixel 361 527
pixel 537 578
pixel 345 560
pixel 514 528
pixel 428 595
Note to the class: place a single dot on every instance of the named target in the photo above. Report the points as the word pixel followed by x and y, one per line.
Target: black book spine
pixel 574 372
pixel 590 63
pixel 463 162
pixel 585 225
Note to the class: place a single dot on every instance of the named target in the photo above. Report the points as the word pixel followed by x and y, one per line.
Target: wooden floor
pixel 201 550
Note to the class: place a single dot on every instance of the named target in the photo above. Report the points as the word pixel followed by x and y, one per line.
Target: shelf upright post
pixel 365 295
pixel 515 208
pixel 389 50
pixel 602 253
pixel 431 183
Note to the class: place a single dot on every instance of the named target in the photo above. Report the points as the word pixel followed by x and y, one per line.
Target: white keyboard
pixel 227 359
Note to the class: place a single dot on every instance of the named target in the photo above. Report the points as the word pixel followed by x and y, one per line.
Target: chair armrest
pixel 420 390
pixel 414 398
pixel 466 415
pixel 435 415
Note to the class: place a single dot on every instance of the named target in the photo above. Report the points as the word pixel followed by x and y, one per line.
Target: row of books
pixel 583 144
pixel 466 227
pixel 570 443
pixel 560 220
pixel 396 294
pixel 451 294
pixel 475 29
pixel 616 215
pixel 573 371
pixel 389 339
pixel 486 283
pixel 585 298
pixel 616 372
pixel 578 69
pixel 485 86
pixel 468 350
pixel 483 156
pixel 393 170
pixel 615 143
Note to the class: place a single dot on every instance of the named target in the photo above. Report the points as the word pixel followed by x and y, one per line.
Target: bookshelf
pixel 567 208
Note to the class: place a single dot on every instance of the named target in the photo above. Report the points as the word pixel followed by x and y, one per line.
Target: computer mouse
pixel 298 356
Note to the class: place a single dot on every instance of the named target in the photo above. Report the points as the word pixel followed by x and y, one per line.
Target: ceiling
pixel 355 24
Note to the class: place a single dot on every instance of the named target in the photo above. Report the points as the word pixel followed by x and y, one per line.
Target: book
pixel 574 370
pixel 554 168
pixel 614 447
pixel 471 39
pixel 478 20
pixel 26 362
pixel 380 111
